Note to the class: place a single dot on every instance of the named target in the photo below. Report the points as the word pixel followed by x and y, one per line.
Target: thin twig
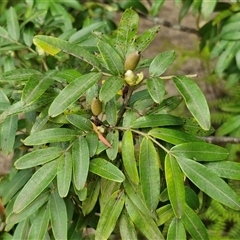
pixel 221 140
pixel 171 76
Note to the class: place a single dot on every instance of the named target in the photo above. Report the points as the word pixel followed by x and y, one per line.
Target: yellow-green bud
pixel 132 60
pixel 132 79
pixel 96 106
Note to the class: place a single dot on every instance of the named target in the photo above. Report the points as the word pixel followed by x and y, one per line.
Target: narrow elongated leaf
pixel 80 156
pixel 110 88
pixel 157 120
pixel 173 136
pixel 149 173
pixel 126 227
pixel 194 225
pixel 207 8
pixel 64 174
pixel 12 24
pixel 36 184
pixel 72 92
pixel 21 231
pixel 8 133
pixel 128 157
pixel 164 214
pixel 176 230
pixel 18 74
pixel 209 183
pixel 156 89
pixel 28 34
pixel 194 99
pixel 109 215
pixel 111 58
pixel 92 140
pixel 111 112
pixel 200 151
pixel 144 223
pixel 161 62
pixel 53 45
pixel 4 33
pixel 106 170
pixel 113 139
pixel 80 122
pixel 58 216
pixel 175 185
pixel 40 224
pixel 225 169
pixel 38 157
pixel 51 135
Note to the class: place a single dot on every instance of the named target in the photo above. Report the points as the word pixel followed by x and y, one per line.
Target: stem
pixel 170 77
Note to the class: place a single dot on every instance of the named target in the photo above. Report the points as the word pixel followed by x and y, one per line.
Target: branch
pixel 221 140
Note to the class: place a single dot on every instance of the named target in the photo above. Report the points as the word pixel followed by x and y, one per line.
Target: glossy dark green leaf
pixel 38 157
pixel 110 88
pixel 106 170
pixel 112 60
pixel 156 7
pixel 113 139
pixel 64 174
pixel 161 62
pixel 164 213
pixel 80 157
pixel 111 112
pixel 209 183
pixel 36 184
pixel 207 8
pixel 58 216
pixel 225 169
pixel 149 173
pixel 7 133
pixel 48 43
pixel 12 24
pixel 191 198
pixel 51 135
pixel 173 136
pixel 40 224
pixel 110 215
pixel 72 92
pixel 156 89
pixel 157 120
pixel 175 185
pixel 128 157
pixel 184 10
pixel 194 225
pixel 200 151
pixel 80 122
pixel 144 223
pixel 176 230
pixel 194 99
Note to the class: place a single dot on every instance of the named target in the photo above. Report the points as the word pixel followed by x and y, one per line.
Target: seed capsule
pixel 132 60
pixel 96 106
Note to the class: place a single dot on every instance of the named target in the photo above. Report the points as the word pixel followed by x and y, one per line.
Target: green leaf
pixel 72 92
pixel 156 7
pixel 175 185
pixel 111 112
pixel 29 210
pixel 80 157
pixel 144 223
pixel 161 62
pixel 184 10
pixel 149 173
pixel 16 183
pixel 194 225
pixel 128 157
pixel 164 213
pixel 35 87
pixel 64 174
pixel 110 215
pixel 218 48
pixel 207 8
pixel 53 45
pixel 38 157
pixel 4 33
pixel 8 134
pixel 126 227
pixel 110 88
pixel 58 216
pixel 209 183
pixel 92 140
pixel 156 89
pixel 12 24
pixel 36 184
pixel 200 151
pixel 127 29
pixel 194 99
pixel 173 136
pixel 21 230
pixel 40 224
pixel 225 169
pixel 28 34
pixel 113 139
pixel 106 170
pixel 157 120
pixel 230 36
pixel 51 135
pixel 111 58
pixel 191 198
pixel 80 122
pixel 176 230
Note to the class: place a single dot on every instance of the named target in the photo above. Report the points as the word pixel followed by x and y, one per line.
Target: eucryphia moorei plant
pixel 97 150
